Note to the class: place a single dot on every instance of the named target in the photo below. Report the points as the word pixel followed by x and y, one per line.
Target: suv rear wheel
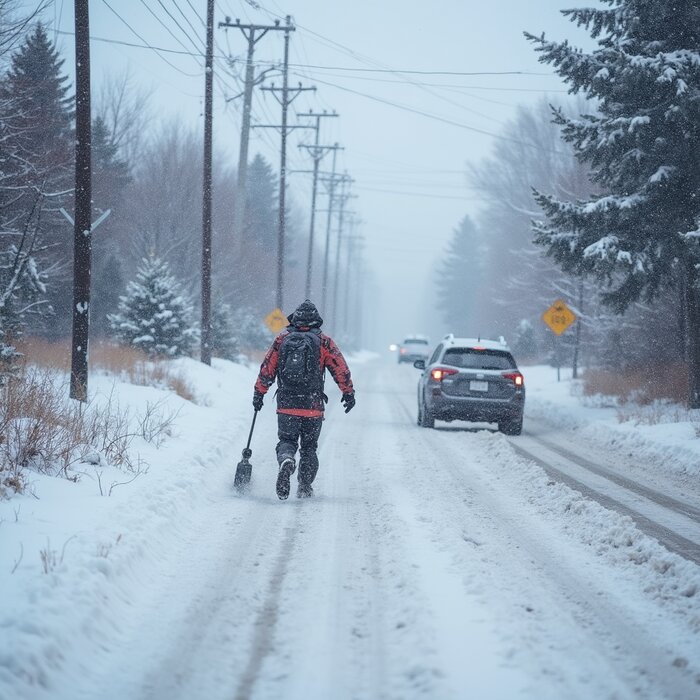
pixel 425 418
pixel 511 426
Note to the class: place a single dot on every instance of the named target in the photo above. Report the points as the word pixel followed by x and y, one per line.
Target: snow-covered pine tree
pixel 37 156
pixel 642 234
pixel 458 279
pixel 224 341
pixel 252 332
pixel 155 314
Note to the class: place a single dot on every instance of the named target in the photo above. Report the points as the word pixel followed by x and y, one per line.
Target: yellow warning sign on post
pixel 276 321
pixel 558 317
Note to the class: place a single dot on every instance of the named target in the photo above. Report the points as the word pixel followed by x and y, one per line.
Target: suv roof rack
pixel 449 336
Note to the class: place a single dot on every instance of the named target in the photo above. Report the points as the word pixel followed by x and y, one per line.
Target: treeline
pixel 595 201
pixel 148 173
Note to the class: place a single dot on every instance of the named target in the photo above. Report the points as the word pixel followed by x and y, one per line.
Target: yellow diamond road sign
pixel 558 317
pixel 276 321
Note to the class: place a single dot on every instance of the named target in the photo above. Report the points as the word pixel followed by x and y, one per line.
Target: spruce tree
pixel 110 178
pixel 107 282
pixel 261 205
pixel 224 340
pixel 37 159
pixel 39 91
pixel 642 234
pixel 154 314
pixel 459 279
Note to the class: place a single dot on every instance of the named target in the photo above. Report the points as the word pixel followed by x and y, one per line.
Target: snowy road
pixel 431 564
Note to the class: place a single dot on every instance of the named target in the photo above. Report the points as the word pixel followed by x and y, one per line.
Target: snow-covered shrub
pixel 154 314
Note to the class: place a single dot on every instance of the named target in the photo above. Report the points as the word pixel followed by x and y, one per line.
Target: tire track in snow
pixel 662 499
pixel 674 542
pixel 266 621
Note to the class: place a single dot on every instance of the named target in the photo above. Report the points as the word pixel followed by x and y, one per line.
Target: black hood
pixel 306 316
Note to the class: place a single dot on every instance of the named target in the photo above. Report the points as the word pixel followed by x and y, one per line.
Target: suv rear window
pixel 478 359
pixel 415 341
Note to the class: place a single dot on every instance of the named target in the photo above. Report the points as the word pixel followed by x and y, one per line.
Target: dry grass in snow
pixel 640 385
pixel 41 430
pixel 126 363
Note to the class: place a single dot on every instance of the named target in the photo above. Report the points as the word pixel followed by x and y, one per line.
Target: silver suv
pixel 474 380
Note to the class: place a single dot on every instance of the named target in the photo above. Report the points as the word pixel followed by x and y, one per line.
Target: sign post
pixel 558 317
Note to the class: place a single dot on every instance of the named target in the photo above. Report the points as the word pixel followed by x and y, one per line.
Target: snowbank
pixel 663 434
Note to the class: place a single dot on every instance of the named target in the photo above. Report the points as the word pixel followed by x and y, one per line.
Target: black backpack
pixel 299 366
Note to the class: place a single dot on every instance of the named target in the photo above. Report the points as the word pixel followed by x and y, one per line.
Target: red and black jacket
pixel 311 404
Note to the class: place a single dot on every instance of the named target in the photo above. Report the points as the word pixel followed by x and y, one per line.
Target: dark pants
pixel 293 430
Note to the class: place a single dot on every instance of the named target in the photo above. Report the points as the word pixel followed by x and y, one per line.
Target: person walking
pixel 298 359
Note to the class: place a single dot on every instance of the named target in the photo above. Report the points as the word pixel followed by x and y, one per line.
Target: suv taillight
pixel 514 377
pixel 439 373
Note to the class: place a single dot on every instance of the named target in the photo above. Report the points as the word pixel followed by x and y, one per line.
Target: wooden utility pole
pixel 331 202
pixel 281 212
pixel 288 96
pixel 317 152
pixel 253 34
pixel 344 197
pixel 207 181
pixel 82 243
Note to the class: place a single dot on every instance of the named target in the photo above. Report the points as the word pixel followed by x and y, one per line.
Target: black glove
pixel 257 400
pixel 348 401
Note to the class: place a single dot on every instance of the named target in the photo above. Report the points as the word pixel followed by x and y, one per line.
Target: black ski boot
pixel 305 491
pixel 283 476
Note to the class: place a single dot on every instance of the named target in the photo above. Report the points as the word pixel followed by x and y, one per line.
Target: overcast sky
pixel 409 168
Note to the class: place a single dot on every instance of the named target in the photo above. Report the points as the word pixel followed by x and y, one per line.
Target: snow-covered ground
pixel 431 563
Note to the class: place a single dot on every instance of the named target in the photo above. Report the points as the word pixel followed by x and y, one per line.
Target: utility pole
pixel 317 152
pixel 284 101
pixel 205 351
pixel 253 34
pixel 82 243
pixel 331 202
pixel 344 197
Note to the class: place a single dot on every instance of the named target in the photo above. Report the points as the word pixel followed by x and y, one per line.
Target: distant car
pixel 474 380
pixel 415 347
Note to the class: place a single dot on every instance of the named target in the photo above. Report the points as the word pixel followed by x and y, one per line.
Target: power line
pixel 436 117
pixel 450 86
pixel 421 194
pixel 197 15
pixel 164 25
pixel 201 54
pixel 187 19
pixel 179 26
pixel 425 72
pixel 146 44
